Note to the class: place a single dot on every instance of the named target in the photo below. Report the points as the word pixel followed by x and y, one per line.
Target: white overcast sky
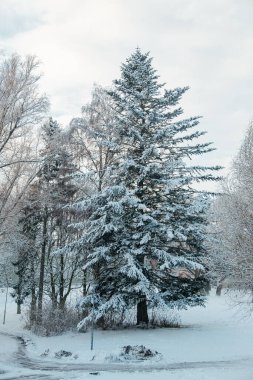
pixel 205 44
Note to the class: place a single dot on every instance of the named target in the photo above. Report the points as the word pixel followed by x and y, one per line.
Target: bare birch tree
pixel 21 110
pixel 232 251
pixel 92 138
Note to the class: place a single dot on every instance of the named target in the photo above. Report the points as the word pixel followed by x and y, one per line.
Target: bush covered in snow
pixel 164 318
pixel 134 353
pixel 158 317
pixel 55 321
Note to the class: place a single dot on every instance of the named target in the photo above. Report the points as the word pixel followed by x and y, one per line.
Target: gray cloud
pixel 15 19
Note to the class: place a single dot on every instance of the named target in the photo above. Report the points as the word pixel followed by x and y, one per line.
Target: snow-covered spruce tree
pixel 149 225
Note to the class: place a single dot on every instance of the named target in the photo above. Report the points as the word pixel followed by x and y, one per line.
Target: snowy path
pixel 214 343
pixel 43 369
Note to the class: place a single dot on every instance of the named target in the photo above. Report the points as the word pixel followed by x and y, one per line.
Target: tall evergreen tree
pixel 150 222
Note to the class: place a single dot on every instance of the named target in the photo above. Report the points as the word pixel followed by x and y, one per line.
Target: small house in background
pixel 180 272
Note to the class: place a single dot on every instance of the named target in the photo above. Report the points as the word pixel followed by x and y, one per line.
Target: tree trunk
pixel 53 293
pixel 19 286
pixel 62 283
pixel 42 269
pixel 84 312
pixel 218 290
pixel 18 307
pixel 142 312
pixel 220 286
pixel 33 308
pixel 84 283
pixel 18 300
pixel 142 309
pixel 33 295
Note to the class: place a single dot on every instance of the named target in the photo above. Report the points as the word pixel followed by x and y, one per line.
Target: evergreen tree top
pixel 51 130
pixel 140 80
pixel 137 72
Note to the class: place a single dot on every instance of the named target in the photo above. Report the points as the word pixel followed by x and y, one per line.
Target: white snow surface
pixel 215 342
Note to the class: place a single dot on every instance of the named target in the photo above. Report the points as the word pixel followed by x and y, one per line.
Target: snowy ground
pixel 214 342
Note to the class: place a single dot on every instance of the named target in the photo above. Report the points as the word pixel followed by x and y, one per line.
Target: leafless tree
pixel 233 221
pixel 93 139
pixel 21 110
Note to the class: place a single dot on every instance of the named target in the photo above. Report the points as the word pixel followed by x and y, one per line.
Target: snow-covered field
pixel 215 342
